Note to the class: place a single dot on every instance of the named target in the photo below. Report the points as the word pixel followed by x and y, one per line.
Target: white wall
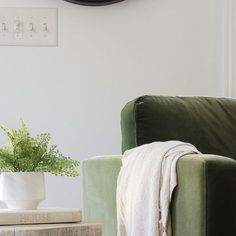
pixel 232 53
pixel 106 57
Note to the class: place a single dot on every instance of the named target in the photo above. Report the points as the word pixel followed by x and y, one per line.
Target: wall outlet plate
pixel 28 27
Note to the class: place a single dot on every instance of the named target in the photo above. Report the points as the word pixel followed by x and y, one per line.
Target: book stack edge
pixel 40 216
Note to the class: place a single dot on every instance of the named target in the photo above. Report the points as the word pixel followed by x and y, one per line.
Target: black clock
pixel 94 2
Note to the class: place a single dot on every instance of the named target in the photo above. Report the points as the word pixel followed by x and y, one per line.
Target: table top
pixel 65 229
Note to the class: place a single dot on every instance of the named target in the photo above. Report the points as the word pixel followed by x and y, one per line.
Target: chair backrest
pixel 206 122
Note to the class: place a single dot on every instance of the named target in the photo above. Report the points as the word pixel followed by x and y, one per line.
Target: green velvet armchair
pixel 204 202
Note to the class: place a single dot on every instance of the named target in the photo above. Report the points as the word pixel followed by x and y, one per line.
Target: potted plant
pixel 23 162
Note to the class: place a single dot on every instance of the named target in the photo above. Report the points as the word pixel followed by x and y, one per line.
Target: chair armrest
pixel 204 202
pixel 99 191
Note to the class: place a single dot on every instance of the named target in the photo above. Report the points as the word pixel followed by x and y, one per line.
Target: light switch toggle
pixel 45 27
pixel 4 26
pixel 18 25
pixel 31 27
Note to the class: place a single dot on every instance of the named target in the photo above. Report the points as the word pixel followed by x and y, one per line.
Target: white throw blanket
pixel 145 184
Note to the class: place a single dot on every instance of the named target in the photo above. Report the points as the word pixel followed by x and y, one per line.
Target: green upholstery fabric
pixel 207 123
pixel 99 191
pixel 203 204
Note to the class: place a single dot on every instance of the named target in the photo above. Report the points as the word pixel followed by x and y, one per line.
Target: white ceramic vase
pixel 22 190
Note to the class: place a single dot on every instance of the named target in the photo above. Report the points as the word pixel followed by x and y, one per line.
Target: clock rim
pixel 94 3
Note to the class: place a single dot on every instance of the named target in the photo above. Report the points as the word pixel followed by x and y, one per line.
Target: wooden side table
pixel 70 229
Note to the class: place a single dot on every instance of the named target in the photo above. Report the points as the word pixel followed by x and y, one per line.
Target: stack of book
pixel 40 216
pixel 46 222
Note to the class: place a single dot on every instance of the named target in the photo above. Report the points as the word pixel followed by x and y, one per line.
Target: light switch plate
pixel 28 27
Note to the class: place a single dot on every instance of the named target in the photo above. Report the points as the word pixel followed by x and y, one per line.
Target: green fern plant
pixel 25 153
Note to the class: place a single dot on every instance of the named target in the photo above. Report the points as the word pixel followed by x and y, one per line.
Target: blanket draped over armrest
pixel 144 187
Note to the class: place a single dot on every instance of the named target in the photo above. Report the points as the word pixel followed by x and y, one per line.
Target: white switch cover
pixel 28 27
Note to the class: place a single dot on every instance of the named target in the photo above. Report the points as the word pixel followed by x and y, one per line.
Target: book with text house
pixel 40 216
